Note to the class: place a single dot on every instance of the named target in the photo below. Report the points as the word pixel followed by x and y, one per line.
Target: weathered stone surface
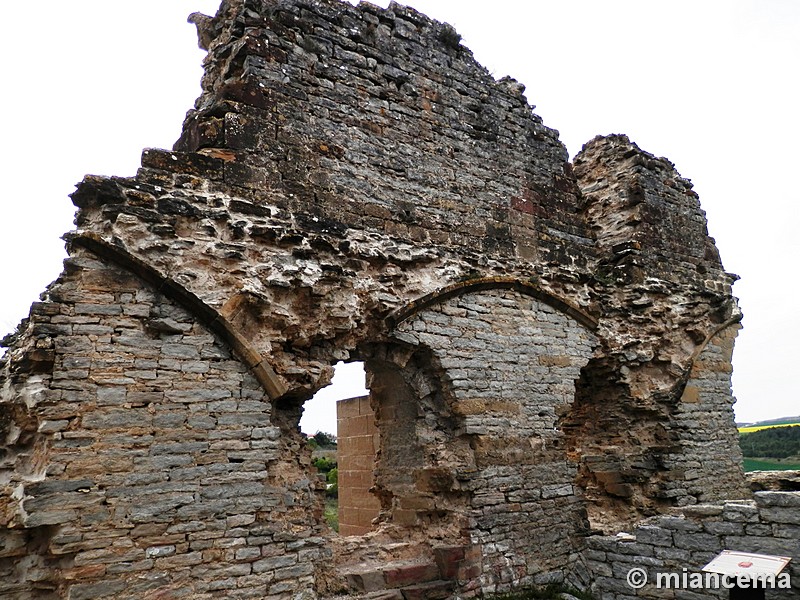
pixel 547 344
pixel 712 530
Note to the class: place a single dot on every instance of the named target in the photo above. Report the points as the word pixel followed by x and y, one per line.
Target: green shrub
pixel 324 440
pixel 332 514
pixel 774 442
pixel 324 464
pixel 332 489
pixel 450 37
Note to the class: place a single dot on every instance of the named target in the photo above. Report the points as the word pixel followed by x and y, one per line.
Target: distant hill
pixel 781 421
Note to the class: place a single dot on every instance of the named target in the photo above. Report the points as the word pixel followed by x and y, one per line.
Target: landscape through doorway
pixel 332 432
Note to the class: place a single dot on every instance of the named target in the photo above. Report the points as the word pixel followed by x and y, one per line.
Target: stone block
pixel 90 591
pixel 778 499
pixel 599 568
pixel 555 491
pixel 654 536
pixel 697 541
pixel 130 567
pixel 409 574
pixel 632 548
pixel 366 581
pixel 159 551
pixel 58 486
pixel 781 514
pixel 449 560
pixel 294 571
pixel 739 512
pixel 723 528
pixel 273 563
pixel 678 524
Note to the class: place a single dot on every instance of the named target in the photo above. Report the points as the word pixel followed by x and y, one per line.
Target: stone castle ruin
pixel 547 344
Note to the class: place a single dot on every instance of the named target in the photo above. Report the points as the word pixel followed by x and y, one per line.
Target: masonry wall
pixel 510 363
pixel 149 460
pixel 709 465
pixel 343 162
pixel 636 439
pixel 357 445
pixel 387 121
pixel 690 538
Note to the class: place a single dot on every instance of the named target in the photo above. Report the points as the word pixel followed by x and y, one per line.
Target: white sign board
pixel 744 563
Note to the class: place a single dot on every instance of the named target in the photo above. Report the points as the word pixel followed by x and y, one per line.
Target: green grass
pixel 332 513
pixel 751 464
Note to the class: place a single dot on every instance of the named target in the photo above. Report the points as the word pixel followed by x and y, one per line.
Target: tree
pixel 324 440
pixel 774 442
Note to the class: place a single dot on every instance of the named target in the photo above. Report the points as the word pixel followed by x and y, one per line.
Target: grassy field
pixel 332 513
pixel 752 464
pixel 760 427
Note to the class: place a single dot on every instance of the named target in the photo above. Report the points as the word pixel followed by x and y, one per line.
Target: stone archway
pixel 471 468
pixel 509 361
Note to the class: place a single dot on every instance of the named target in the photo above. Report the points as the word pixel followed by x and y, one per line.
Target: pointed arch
pixel 491 283
pixel 247 353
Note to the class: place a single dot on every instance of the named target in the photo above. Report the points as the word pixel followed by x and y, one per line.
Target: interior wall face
pixel 509 364
pixel 709 466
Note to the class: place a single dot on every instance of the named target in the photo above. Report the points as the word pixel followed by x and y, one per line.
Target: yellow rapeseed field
pixel 760 427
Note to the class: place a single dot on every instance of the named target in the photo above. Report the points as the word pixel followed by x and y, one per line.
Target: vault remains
pixel 547 344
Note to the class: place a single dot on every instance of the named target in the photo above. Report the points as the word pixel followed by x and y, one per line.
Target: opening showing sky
pixel 711 85
pixel 319 413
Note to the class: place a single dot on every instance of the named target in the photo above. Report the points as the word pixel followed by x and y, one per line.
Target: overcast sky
pixel 712 85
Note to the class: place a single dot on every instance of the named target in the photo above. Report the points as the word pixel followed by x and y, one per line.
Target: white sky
pixel 712 84
pixel 319 413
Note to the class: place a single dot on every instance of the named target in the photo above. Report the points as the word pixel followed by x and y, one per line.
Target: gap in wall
pixel 319 423
pixel 319 413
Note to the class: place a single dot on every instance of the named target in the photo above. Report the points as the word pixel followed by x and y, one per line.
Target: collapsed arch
pixel 674 446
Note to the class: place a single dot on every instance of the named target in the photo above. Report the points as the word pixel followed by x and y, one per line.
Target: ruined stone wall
pixel 631 423
pixel 712 449
pixel 147 460
pixel 690 538
pixel 346 156
pixel 510 363
pixel 345 161
pixel 352 185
